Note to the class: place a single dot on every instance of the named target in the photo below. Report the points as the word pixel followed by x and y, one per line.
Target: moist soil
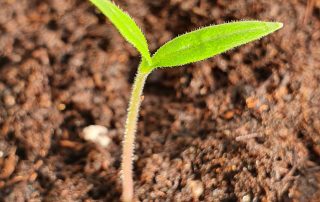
pixel 242 126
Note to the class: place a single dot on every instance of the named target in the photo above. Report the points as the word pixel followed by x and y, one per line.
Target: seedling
pixel 187 48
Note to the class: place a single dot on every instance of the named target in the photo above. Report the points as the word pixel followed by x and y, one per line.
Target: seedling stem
pixel 129 136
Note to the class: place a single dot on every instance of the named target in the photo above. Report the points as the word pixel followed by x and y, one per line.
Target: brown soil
pixel 243 126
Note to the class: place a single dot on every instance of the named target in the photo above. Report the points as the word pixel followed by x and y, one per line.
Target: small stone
pixel 251 102
pixel 263 108
pixel 228 115
pixel 9 165
pixel 33 177
pixel 246 198
pixel 61 107
pixel 196 188
pixel 97 134
pixel 9 100
pixel 217 193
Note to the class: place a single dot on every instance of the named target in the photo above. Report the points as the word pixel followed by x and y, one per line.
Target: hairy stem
pixel 129 136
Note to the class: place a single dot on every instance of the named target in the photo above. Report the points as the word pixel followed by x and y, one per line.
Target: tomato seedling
pixel 187 48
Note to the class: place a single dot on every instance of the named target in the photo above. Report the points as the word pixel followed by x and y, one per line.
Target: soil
pixel 242 126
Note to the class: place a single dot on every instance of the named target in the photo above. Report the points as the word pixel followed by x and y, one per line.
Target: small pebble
pixel 217 193
pixel 33 177
pixel 97 134
pixel 9 100
pixel 251 102
pixel 9 165
pixel 196 188
pixel 228 115
pixel 246 198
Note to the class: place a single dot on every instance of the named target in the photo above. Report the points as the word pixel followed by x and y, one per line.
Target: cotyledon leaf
pixel 209 41
pixel 126 26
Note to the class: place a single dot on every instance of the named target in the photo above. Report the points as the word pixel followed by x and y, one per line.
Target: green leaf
pixel 126 26
pixel 209 41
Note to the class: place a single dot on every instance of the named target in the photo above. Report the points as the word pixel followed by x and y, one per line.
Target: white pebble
pixel 97 134
pixel 246 198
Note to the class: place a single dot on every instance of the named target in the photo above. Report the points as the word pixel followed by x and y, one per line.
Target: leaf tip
pixel 280 24
pixel 273 26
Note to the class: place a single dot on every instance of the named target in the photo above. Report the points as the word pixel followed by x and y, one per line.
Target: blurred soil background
pixel 242 126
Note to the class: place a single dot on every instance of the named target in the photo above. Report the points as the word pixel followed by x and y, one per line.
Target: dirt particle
pixel 196 187
pixel 251 102
pixel 263 108
pixel 228 115
pixel 71 144
pixel 9 165
pixel 217 193
pixel 316 149
pixel 61 107
pixel 9 100
pixel 33 177
pixel 38 164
